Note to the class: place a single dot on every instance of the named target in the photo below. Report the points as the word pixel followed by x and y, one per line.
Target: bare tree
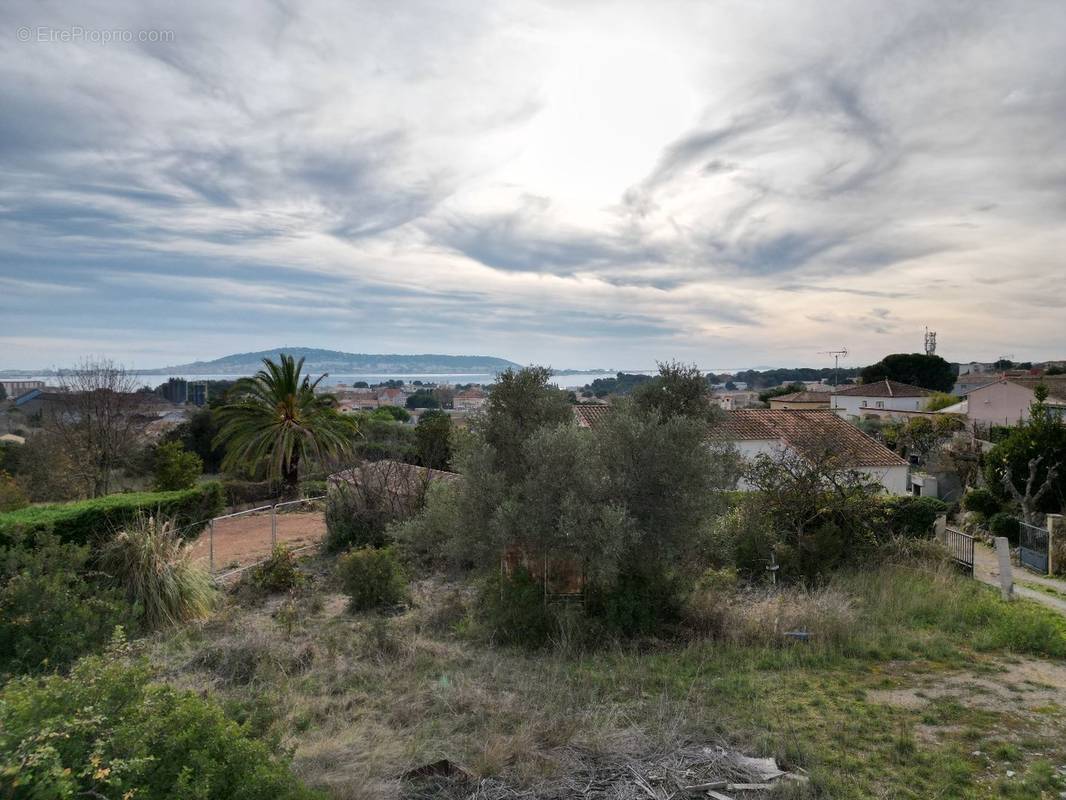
pixel 94 418
pixel 1030 498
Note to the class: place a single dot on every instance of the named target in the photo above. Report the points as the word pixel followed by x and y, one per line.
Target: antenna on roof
pixel 837 355
pixel 930 342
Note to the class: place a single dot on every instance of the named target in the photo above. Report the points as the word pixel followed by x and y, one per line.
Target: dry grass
pixel 362 698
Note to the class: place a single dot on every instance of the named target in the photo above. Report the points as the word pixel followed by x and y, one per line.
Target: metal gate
pixel 1033 548
pixel 960 545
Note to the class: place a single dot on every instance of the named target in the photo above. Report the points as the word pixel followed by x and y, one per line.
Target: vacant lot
pixel 243 540
pixel 927 687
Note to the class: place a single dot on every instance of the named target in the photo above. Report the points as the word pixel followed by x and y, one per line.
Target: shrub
pixel 513 610
pixel 152 563
pixel 1004 524
pixel 428 540
pixel 93 521
pixel 316 488
pixel 12 498
pixel 981 501
pixel 372 578
pixel 912 516
pixel 107 731
pixel 278 573
pixel 636 603
pixel 175 469
pixel 238 492
pixel 352 521
pixel 53 608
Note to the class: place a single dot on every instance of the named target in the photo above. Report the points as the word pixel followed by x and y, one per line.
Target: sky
pixel 583 184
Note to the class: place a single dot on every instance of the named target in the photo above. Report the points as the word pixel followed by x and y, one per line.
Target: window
pixel 880 403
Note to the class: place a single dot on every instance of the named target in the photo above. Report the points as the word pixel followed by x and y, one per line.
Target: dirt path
pixel 986 569
pixel 243 540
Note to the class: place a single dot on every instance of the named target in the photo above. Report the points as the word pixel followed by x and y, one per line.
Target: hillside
pixel 318 360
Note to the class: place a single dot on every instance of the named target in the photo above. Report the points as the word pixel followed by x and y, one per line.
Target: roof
pixel 884 388
pixel 808 432
pixel 589 415
pixel 803 397
pixel 472 393
pixel 398 476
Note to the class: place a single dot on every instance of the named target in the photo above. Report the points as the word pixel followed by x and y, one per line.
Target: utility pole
pixel 837 355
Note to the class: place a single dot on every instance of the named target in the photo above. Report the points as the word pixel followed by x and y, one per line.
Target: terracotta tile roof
pixel 809 432
pixel 589 415
pixel 804 397
pixel 884 388
pixel 472 393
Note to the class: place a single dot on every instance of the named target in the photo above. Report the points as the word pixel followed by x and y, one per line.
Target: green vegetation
pixel 175 469
pixel 275 420
pixel 433 440
pixel 97 520
pixel 108 731
pixel 54 605
pixel 1028 465
pixel 917 369
pixel 981 501
pixel 278 573
pixel 372 578
pixel 151 562
pixel 12 498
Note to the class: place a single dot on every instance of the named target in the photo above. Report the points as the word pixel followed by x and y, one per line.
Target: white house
pixel 812 434
pixel 879 398
pixel 471 400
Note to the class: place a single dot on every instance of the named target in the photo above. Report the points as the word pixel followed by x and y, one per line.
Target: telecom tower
pixel 930 342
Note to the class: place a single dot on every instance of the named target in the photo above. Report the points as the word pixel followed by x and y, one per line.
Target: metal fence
pixel 1034 547
pixel 232 543
pixel 960 545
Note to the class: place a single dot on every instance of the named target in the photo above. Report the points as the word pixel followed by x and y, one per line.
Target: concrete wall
pixel 999 403
pixel 854 406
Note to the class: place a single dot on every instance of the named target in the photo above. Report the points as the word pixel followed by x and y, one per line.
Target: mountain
pixel 317 360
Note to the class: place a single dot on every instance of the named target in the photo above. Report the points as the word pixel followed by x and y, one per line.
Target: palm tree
pixel 276 419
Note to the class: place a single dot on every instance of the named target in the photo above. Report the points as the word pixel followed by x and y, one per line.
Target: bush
pixel 428 540
pixel 94 521
pixel 107 731
pixel 278 573
pixel 1005 524
pixel 912 516
pixel 152 563
pixel 175 469
pixel 53 608
pixel 12 498
pixel 636 603
pixel 239 493
pixel 981 501
pixel 316 488
pixel 372 578
pixel 513 610
pixel 353 522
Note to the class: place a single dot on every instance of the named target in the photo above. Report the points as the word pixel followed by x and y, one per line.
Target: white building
pixel 1007 401
pixel 13 388
pixel 813 435
pixel 879 398
pixel 471 400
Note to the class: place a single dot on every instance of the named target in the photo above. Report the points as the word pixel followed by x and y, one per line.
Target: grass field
pixel 914 685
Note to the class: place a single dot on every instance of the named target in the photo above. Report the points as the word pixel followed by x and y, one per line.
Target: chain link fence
pixel 234 542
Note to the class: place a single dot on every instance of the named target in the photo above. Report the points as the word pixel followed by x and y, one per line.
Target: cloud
pixel 586 185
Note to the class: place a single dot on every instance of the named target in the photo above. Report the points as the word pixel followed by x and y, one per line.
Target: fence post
pixel 940 528
pixel 1056 527
pixel 273 526
pixel 1006 577
pixel 211 546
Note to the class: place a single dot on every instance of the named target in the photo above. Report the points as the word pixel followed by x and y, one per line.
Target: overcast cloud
pixel 582 184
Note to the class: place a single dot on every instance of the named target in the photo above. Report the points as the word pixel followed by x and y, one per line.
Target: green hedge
pixel 910 516
pixel 96 520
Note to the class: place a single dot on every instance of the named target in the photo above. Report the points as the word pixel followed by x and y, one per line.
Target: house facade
pixel 470 400
pixel 813 434
pixel 879 398
pixel 1007 401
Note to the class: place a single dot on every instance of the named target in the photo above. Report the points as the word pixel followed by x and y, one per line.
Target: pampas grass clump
pixel 153 564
